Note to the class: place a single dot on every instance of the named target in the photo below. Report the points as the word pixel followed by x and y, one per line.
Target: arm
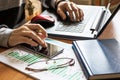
pixel 23 34
pixel 64 6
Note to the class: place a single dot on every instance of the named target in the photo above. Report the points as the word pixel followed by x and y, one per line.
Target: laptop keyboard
pixel 69 26
pixel 78 27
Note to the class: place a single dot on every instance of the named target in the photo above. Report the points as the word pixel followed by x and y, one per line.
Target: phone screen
pixel 51 51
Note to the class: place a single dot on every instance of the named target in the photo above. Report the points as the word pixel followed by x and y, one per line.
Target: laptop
pixel 95 21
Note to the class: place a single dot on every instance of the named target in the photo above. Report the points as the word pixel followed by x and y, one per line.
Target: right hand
pixel 72 8
pixel 27 34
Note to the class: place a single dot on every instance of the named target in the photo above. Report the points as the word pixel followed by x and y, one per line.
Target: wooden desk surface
pixel 7 73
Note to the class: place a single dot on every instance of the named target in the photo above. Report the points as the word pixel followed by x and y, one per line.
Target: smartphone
pixel 50 51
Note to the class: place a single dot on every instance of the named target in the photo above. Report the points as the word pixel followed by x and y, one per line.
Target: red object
pixel 43 17
pixel 44 20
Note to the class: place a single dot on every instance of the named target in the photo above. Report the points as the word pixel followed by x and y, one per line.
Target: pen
pixel 102 18
pixel 107 8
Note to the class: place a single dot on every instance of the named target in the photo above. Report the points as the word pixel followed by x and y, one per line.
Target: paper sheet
pixel 19 57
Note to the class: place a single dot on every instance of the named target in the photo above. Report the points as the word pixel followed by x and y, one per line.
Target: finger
pixel 77 15
pixel 28 41
pixel 38 27
pixel 70 11
pixel 41 35
pixel 61 13
pixel 31 34
pixel 81 13
pixel 20 40
pixel 43 38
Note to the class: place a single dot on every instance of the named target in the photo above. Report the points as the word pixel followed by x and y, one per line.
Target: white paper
pixel 18 58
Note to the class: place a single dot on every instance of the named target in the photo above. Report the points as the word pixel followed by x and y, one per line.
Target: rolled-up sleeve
pixel 48 3
pixel 4 35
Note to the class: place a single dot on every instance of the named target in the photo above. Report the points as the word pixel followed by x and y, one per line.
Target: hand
pixel 75 13
pixel 29 34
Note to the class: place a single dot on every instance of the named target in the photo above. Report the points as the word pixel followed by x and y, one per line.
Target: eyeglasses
pixel 50 64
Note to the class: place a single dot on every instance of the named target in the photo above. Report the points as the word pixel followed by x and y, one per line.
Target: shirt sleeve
pixel 4 35
pixel 49 3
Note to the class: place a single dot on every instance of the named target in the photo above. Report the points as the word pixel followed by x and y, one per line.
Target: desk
pixel 7 73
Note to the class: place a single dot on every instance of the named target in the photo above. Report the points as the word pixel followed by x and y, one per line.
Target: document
pixel 19 57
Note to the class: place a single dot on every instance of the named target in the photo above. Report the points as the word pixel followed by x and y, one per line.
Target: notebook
pixel 99 61
pixel 95 21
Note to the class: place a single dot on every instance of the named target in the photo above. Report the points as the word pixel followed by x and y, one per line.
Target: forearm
pixel 4 35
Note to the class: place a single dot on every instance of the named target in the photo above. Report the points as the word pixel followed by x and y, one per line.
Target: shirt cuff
pixel 4 36
pixel 53 3
pixel 50 3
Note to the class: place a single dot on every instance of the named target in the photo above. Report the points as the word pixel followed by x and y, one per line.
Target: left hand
pixel 29 34
pixel 75 13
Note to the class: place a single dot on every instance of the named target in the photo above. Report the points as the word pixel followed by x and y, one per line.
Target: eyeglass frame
pixel 71 62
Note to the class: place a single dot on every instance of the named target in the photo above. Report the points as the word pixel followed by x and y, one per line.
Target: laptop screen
pixel 108 20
